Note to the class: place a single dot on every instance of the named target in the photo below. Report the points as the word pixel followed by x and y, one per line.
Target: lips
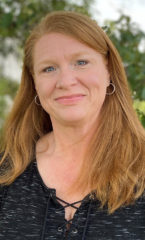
pixel 69 100
pixel 73 96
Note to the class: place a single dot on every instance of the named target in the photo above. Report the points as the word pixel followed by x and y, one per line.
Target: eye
pixel 49 69
pixel 82 62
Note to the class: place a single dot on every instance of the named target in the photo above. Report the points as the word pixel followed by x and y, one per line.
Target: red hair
pixel 114 167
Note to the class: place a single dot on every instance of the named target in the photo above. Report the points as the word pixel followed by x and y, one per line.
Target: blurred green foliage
pixel 130 42
pixel 18 17
pixel 140 109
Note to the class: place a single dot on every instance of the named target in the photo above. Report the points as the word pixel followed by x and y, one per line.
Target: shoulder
pixel 3 188
pixel 135 208
pixel 23 178
pixel 1 155
pixel 21 186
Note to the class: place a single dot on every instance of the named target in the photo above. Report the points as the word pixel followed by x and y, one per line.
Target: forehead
pixel 55 44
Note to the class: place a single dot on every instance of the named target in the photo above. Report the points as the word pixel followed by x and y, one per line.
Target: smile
pixel 70 99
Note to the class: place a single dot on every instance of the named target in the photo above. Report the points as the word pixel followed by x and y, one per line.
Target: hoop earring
pixel 113 86
pixel 35 99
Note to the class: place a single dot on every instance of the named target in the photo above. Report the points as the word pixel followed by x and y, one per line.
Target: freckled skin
pixel 64 66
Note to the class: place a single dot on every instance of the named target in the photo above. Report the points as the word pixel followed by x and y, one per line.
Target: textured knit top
pixel 29 210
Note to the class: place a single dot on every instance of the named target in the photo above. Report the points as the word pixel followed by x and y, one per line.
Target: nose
pixel 66 78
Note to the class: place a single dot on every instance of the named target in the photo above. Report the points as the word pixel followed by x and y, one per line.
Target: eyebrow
pixel 78 54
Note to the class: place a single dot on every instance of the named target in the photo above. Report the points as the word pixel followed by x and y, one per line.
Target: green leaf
pixel 6 20
pixel 143 93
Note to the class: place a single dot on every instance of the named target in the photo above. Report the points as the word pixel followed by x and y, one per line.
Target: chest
pixel 70 209
pixel 60 178
pixel 28 212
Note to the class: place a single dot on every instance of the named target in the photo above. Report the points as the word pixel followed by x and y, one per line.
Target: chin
pixel 72 118
pixel 70 115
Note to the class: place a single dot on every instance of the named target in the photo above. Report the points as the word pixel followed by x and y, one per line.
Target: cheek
pixel 101 81
pixel 98 78
pixel 44 88
pixel 95 82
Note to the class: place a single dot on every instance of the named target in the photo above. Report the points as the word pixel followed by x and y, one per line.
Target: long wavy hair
pixel 114 167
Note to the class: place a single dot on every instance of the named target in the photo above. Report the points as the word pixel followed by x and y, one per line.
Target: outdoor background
pixel 121 19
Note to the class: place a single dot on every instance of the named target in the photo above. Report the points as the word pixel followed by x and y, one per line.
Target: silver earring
pixel 37 103
pixel 113 89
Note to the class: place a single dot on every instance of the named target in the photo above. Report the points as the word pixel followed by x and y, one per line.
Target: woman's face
pixel 70 78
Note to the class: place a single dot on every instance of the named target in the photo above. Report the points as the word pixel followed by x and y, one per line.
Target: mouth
pixel 70 99
pixel 70 96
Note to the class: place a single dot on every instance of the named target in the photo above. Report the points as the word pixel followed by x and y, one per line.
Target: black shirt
pixel 30 210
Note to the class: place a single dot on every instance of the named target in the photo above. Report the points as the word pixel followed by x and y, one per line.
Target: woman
pixel 72 158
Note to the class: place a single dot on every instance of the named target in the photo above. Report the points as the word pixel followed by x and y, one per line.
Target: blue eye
pixel 82 62
pixel 49 69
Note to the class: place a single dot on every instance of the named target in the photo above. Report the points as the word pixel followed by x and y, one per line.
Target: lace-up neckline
pixel 65 226
pixel 67 223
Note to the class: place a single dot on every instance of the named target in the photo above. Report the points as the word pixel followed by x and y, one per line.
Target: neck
pixel 70 141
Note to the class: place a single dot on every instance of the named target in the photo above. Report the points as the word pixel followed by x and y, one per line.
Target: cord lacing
pixel 87 220
pixel 45 217
pixel 67 222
